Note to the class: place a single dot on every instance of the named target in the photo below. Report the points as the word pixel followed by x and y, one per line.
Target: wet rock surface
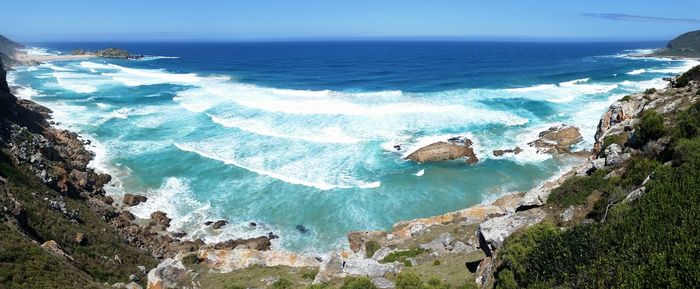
pixel 451 149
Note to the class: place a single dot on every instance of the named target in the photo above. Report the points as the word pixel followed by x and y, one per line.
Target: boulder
pixel 133 200
pixel 161 218
pixel 444 151
pixel 52 247
pixel 557 139
pixel 337 266
pixel 493 232
pixel 568 214
pixel 168 274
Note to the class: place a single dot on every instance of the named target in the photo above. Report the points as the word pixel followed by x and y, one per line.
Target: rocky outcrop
pixel 452 149
pixel 557 139
pixel 108 53
pixel 493 232
pixel 52 247
pixel 358 239
pixel 338 266
pixel 227 260
pixel 170 273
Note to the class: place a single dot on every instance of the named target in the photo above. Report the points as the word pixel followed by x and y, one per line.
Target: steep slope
pixel 53 210
pixel 685 45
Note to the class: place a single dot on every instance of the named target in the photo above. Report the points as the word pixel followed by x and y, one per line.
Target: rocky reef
pixel 108 53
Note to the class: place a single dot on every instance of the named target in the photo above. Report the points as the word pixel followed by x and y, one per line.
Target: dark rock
pixel 261 243
pixel 218 224
pixel 499 153
pixel 208 223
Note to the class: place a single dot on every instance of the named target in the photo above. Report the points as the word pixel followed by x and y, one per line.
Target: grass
pixel 371 247
pixel 402 256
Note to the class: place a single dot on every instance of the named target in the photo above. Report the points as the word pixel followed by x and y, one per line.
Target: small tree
pixel 651 126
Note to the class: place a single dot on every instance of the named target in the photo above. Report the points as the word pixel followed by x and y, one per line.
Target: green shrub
pixel 649 243
pixel 575 190
pixel 506 280
pixel 318 286
pixel 401 256
pixel 688 123
pixel 651 126
pixel 626 98
pixel 358 283
pixel 619 139
pixel 282 284
pixel 371 247
pixel 436 263
pixel 637 171
pixel 234 287
pixel 650 91
pixel 309 274
pixel 435 283
pixel 408 280
pixel 684 79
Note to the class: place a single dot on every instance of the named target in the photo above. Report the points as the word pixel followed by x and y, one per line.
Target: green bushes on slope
pixel 650 243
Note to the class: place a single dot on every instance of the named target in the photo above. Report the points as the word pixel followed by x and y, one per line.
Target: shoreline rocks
pixel 454 148
pixel 133 200
pixel 557 139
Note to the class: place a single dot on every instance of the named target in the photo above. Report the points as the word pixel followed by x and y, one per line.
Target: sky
pixel 176 20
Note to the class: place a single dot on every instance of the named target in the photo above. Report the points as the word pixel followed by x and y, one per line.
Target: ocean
pixel 298 137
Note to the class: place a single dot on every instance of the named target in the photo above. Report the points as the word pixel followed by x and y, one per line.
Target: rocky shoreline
pixel 59 158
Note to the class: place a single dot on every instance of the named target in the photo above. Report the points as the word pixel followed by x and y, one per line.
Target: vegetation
pixel 652 242
pixel 309 274
pixel 282 284
pixel 24 265
pixel 626 98
pixel 685 78
pixel 358 283
pixel 576 190
pixel 650 91
pixel 402 256
pixel 371 247
pixel 619 139
pixel 651 126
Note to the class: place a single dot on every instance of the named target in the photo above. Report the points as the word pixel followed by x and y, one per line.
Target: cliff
pixel 685 45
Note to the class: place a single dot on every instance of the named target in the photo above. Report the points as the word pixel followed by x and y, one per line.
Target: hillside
pixel 7 50
pixel 685 45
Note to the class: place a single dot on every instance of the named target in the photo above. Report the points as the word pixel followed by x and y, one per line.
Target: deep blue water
pixel 288 134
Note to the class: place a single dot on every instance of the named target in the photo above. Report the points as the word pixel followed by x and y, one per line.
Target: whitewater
pixel 282 138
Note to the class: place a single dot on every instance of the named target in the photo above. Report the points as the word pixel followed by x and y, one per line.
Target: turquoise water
pixel 292 135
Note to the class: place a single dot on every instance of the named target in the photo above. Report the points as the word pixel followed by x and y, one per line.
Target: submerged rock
pixel 557 139
pixel 454 148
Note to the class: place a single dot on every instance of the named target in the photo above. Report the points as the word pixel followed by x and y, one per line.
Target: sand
pixel 26 58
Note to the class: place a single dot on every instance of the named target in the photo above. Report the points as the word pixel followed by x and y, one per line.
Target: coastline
pixel 226 258
pixel 33 59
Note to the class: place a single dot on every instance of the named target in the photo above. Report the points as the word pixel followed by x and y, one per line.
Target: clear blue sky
pixel 44 20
